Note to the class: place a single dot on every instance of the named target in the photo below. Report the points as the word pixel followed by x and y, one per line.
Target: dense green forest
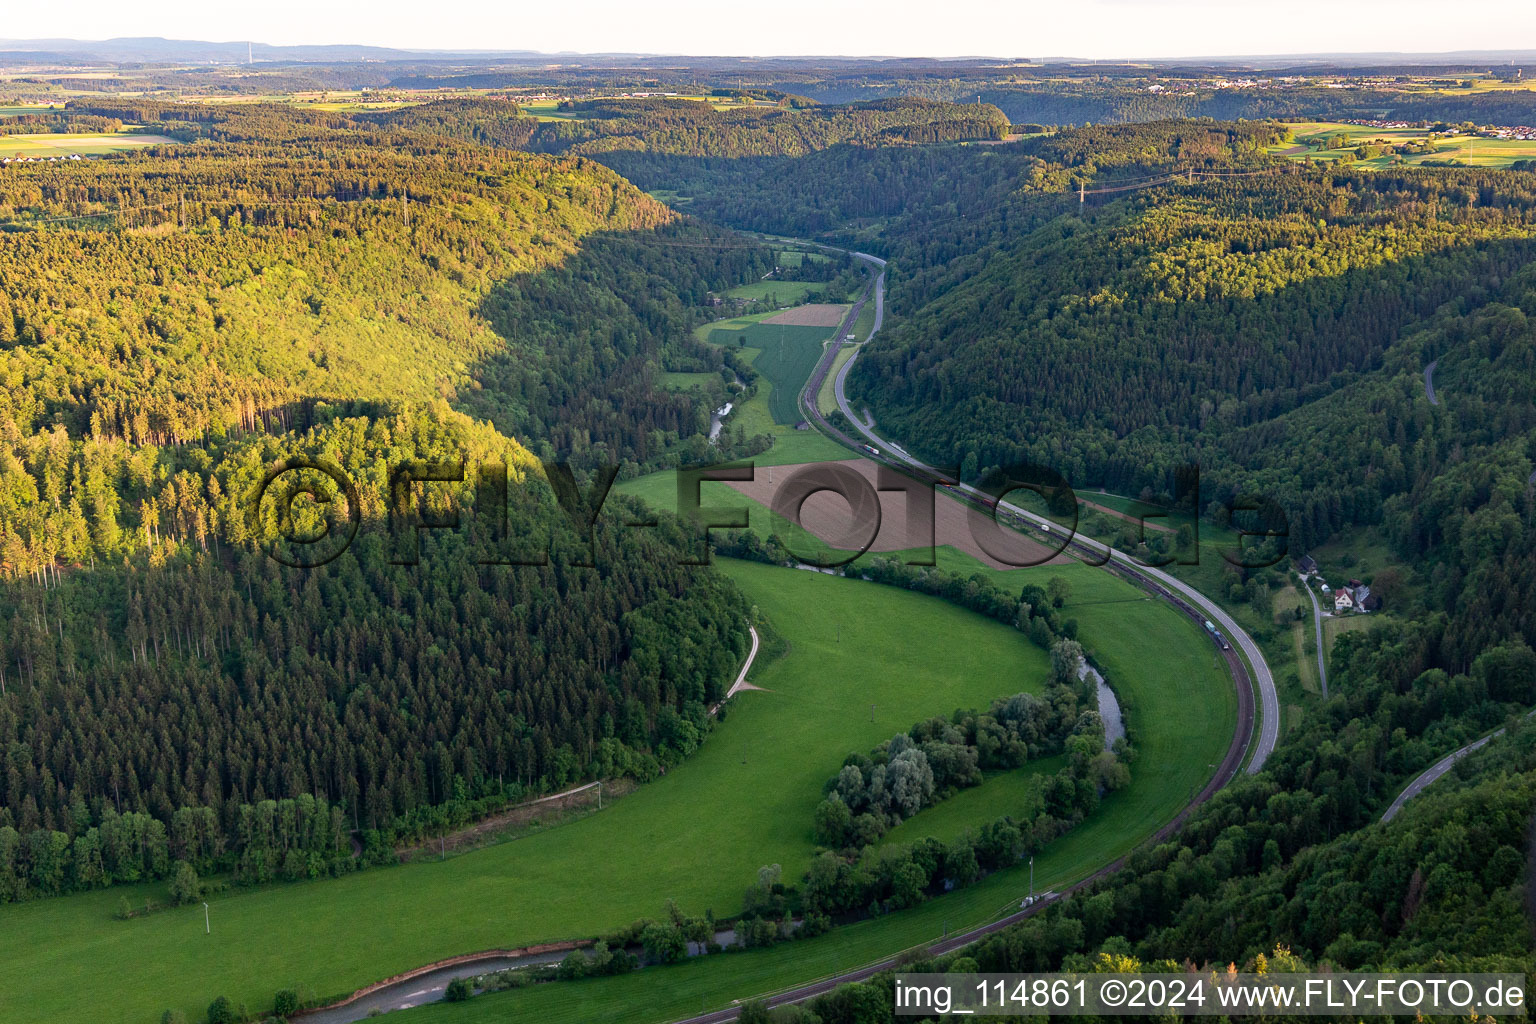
pixel 695 128
pixel 677 126
pixel 173 326
pixel 398 286
pixel 1069 103
pixel 1276 328
pixel 1158 326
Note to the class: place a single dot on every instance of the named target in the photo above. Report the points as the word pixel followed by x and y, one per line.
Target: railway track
pixel 1155 583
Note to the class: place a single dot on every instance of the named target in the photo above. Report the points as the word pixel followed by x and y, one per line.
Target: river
pixel 1109 706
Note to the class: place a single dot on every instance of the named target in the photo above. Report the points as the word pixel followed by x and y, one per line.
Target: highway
pixel 892 454
pixel 1185 598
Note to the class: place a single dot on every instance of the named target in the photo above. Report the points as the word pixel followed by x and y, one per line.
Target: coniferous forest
pixel 407 340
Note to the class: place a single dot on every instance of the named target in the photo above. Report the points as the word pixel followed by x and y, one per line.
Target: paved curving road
pixel 1317 623
pixel 1269 717
pixel 1160 584
pixel 1429 382
pixel 1436 770
pixel 1439 768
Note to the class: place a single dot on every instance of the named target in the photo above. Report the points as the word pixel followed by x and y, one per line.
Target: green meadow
pixel 783 353
pixel 796 258
pixel 1466 149
pixel 780 292
pixel 1178 703
pixel 697 835
pixel 81 142
pixel 777 388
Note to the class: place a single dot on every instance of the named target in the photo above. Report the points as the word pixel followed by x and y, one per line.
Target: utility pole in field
pixel 207 922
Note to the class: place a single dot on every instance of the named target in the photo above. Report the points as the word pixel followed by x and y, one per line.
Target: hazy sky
pixel 1090 28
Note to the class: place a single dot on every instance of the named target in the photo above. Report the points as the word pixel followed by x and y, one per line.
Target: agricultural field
pixel 544 110
pixel 826 395
pixel 784 354
pixel 85 144
pixel 1466 149
pixel 746 797
pixel 680 380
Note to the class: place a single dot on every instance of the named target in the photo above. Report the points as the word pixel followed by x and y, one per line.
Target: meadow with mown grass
pixel 697 835
pixel 1179 705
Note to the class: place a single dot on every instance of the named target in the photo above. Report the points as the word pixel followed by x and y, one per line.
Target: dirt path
pixel 518 814
pixel 1123 515
pixel 1317 623
pixel 741 677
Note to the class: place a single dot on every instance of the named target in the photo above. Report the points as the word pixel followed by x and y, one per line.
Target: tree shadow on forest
pixel 588 339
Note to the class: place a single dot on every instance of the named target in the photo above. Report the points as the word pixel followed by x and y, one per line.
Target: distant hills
pixel 158 50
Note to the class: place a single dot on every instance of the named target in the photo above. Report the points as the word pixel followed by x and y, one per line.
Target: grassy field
pixel 1335 625
pixel 783 353
pixel 1466 149
pixel 681 380
pixel 544 110
pixel 773 409
pixel 1209 575
pixel 826 395
pixel 1180 707
pixel 796 258
pixel 780 292
pixel 697 835
pixel 39 109
pixel 1304 646
pixel 82 143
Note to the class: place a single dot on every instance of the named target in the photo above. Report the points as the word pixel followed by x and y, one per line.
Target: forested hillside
pixel 1115 345
pixel 209 679
pixel 684 127
pixel 695 128
pixel 1277 328
pixel 173 326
